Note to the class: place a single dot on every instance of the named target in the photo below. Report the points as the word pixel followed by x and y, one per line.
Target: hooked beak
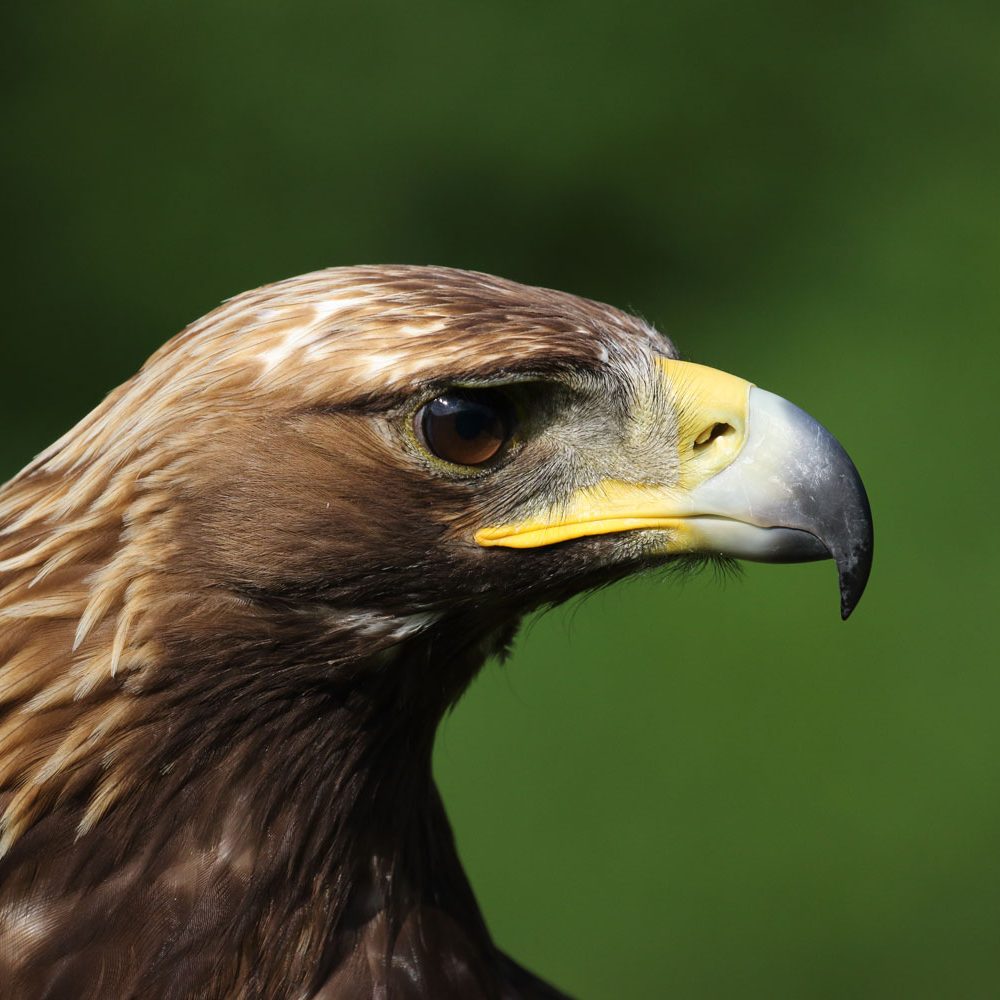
pixel 759 479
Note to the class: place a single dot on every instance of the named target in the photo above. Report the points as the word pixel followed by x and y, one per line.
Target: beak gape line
pixel 759 479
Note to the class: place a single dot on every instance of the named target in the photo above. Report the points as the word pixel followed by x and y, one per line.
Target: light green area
pixel 701 790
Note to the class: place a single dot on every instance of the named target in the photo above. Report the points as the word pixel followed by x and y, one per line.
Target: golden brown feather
pixel 223 654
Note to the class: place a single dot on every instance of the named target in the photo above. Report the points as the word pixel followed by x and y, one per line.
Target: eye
pixel 466 426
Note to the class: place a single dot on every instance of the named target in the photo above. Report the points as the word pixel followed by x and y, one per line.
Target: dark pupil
pixel 473 421
pixel 466 429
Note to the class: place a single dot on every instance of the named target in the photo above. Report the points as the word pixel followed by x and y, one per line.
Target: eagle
pixel 239 596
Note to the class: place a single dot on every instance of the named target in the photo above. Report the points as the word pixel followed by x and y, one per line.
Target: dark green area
pixel 706 790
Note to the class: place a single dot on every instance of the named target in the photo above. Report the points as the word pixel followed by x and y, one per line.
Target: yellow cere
pixel 706 400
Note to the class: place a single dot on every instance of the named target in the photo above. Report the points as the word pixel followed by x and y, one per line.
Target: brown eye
pixel 466 426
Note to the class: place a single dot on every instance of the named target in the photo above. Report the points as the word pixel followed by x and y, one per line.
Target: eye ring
pixel 466 427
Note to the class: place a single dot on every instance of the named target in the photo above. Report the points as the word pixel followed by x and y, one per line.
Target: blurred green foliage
pixel 703 790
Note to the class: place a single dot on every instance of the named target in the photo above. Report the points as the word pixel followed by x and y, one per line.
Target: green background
pixel 711 789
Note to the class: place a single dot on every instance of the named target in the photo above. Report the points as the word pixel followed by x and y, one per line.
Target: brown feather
pixel 231 618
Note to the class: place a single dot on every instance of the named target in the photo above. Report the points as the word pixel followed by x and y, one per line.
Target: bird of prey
pixel 237 598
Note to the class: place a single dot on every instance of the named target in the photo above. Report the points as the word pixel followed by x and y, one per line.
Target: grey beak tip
pixel 853 582
pixel 855 566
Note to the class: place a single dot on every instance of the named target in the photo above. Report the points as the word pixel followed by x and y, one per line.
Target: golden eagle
pixel 237 598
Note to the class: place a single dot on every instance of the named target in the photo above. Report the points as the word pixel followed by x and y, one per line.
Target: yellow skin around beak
pixel 758 479
pixel 711 408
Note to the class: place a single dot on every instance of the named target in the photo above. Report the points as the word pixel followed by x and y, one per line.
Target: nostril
pixel 709 434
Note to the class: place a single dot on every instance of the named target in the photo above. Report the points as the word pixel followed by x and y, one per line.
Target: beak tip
pixel 854 579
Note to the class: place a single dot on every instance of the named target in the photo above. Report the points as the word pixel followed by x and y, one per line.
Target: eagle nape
pixel 238 597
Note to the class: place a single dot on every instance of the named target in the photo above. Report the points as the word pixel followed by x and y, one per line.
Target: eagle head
pixel 236 599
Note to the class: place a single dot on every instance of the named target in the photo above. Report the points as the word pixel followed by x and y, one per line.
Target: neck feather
pixel 295 825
